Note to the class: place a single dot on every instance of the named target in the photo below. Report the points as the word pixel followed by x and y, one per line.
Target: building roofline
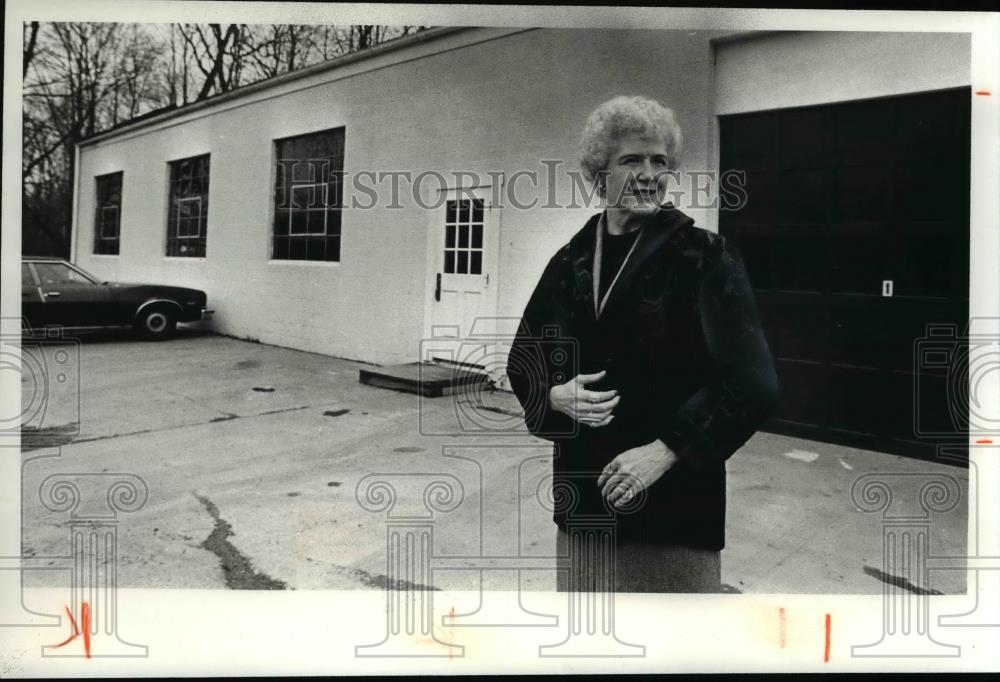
pixel 328 65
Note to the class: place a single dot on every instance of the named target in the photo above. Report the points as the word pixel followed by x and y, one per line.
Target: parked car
pixel 54 292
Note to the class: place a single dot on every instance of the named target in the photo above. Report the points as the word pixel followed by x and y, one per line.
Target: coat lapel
pixel 657 230
pixel 582 260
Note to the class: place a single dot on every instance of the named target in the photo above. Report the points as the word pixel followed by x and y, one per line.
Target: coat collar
pixel 658 228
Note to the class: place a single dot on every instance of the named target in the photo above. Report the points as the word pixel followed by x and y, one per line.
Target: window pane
pixel 280 248
pixel 477 263
pixel 109 222
pixel 463 236
pixel 451 213
pixel 449 262
pixel 316 222
pixel 463 262
pixel 281 219
pixel 449 236
pixel 477 236
pixel 333 248
pixel 477 211
pixel 316 248
pixel 26 279
pixel 299 222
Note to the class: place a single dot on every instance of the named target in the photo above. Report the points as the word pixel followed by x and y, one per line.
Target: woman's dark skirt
pixel 635 566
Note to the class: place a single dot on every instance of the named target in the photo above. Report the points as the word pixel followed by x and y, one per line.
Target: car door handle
pixel 52 293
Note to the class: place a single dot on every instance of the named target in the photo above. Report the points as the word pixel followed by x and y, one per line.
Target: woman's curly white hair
pixel 623 117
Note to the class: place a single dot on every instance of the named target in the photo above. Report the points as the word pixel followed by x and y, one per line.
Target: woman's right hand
pixel 592 408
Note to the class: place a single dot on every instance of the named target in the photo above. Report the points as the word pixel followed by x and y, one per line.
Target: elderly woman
pixel 640 355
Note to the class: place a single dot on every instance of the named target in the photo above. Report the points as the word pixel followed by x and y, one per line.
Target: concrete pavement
pixel 252 455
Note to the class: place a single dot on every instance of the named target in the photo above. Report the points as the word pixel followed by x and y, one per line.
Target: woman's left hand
pixel 635 470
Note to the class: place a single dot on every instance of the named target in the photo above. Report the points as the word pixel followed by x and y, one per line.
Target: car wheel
pixel 156 322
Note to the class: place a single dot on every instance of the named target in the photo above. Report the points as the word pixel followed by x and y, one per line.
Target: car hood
pixel 155 289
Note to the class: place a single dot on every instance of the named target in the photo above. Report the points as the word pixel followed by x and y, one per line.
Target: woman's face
pixel 636 173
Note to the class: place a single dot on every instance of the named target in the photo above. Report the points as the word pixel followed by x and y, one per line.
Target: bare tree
pixel 83 78
pixel 29 46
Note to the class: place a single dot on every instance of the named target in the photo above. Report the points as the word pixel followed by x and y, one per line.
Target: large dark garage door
pixel 856 238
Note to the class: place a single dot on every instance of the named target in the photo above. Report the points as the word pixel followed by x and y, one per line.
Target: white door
pixel 463 245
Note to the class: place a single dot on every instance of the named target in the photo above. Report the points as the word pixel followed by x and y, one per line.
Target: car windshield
pixel 53 273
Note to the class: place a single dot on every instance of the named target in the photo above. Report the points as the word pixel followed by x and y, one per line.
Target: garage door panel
pixel 857 400
pixel 806 138
pixel 918 186
pixel 800 383
pixel 756 245
pixel 853 341
pixel 807 332
pixel 754 143
pixel 934 120
pixel 863 130
pixel 858 257
pixel 931 262
pixel 761 199
pixel 797 248
pixel 905 322
pixel 939 404
pixel 862 194
pixel 805 196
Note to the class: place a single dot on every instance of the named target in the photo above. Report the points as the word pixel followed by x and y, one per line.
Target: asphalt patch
pixel 264 389
pixel 247 364
pixel 335 413
pixel 898 581
pixel 237 569
pixel 408 448
pixel 49 436
pixel 380 581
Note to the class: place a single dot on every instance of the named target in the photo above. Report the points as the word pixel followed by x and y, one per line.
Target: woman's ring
pixel 628 494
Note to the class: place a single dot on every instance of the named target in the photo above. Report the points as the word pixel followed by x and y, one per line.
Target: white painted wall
pixel 779 70
pixel 479 100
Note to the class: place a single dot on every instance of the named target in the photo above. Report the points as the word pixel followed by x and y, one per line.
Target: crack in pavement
pixel 379 580
pixel 48 436
pixel 237 568
pixel 213 420
pixel 898 581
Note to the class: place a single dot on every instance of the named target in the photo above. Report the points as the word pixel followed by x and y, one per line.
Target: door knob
pixel 52 293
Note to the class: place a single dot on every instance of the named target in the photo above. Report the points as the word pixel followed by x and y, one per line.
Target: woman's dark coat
pixel 681 342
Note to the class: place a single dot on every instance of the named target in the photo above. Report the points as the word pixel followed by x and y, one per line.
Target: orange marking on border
pixel 983 93
pixel 826 645
pixel 451 633
pixel 76 630
pixel 85 618
pixel 781 627
pixel 984 441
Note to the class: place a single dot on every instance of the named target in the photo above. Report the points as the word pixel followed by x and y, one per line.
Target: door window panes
pixel 463 237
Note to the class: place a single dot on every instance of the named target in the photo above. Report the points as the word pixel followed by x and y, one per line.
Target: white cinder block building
pixel 197 196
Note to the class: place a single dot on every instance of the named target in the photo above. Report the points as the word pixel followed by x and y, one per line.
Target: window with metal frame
pixel 107 214
pixel 308 197
pixel 187 222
